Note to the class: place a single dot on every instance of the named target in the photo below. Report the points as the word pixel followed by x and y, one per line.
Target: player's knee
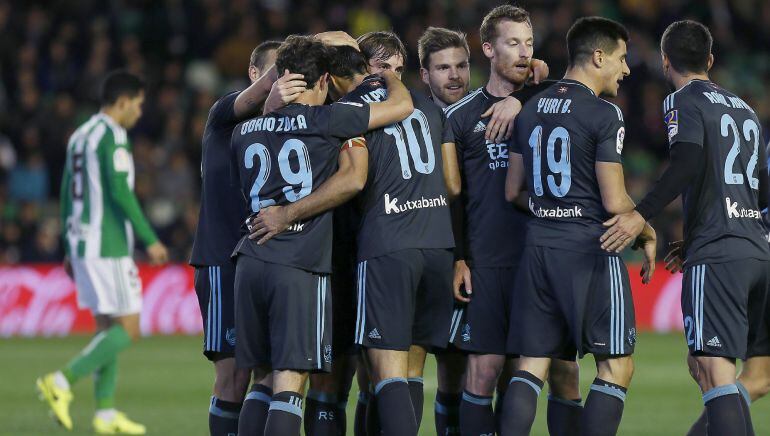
pixel 482 376
pixel 618 370
pixel 564 379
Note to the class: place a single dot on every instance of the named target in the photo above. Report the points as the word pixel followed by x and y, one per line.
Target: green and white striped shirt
pixel 99 210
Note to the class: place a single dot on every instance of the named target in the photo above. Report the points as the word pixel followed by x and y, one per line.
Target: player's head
pixel 383 51
pixel 686 48
pixel 262 58
pixel 308 56
pixel 122 95
pixel 508 42
pixel 444 63
pixel 598 46
pixel 345 64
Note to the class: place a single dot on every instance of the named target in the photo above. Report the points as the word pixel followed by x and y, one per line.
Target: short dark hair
pixel 259 55
pixel 304 55
pixel 346 62
pixel 436 39
pixel 687 44
pixel 381 45
pixel 588 34
pixel 117 84
pixel 488 30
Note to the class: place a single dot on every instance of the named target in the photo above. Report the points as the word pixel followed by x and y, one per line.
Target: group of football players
pixel 351 226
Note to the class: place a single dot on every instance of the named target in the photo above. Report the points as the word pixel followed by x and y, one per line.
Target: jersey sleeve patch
pixel 619 139
pixel 121 160
pixel 354 142
pixel 672 123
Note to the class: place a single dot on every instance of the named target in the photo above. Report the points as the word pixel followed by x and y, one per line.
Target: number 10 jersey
pixel 561 133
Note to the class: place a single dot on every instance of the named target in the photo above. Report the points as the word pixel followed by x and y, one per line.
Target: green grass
pixel 165 383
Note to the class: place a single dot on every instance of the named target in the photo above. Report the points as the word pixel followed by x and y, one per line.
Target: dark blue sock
pixel 447 414
pixel 285 415
pixel 254 411
pixel 359 422
pixel 745 404
pixel 476 416
pixel 498 410
pixel 417 394
pixel 564 416
pixel 520 404
pixel 223 417
pixel 395 407
pixel 725 413
pixel 603 409
pixel 321 414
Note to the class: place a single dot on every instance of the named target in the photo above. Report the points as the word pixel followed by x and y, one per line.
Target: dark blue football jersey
pixel 404 204
pixel 722 220
pixel 561 133
pixel 222 211
pixel 494 229
pixel 282 157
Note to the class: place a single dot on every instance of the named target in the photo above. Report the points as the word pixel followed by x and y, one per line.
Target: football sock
pixel 102 349
pixel 105 379
pixel 520 403
pixel 447 413
pixel 223 417
pixel 745 404
pixel 395 407
pixel 285 415
pixel 107 414
pixel 603 409
pixel 700 426
pixel 476 416
pixel 321 414
pixel 417 394
pixel 725 414
pixel 359 422
pixel 254 411
pixel 342 416
pixel 498 409
pixel 564 416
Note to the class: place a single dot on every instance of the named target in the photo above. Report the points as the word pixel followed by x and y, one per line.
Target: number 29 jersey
pixel 404 204
pixel 282 157
pixel 561 133
pixel 722 220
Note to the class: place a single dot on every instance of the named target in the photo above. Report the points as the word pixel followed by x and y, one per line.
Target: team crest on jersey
pixel 121 160
pixel 632 336
pixel 672 123
pixel 230 336
pixel 328 353
pixel 467 333
pixel 562 89
pixel 619 140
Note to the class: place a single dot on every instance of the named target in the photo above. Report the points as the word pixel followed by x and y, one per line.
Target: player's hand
pixel 67 264
pixel 673 259
pixel 500 126
pixel 269 222
pixel 462 279
pixel 539 70
pixel 648 242
pixel 284 91
pixel 158 253
pixel 623 230
pixel 337 38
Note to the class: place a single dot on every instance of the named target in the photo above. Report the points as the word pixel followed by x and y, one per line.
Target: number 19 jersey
pixel 561 133
pixel 282 157
pixel 722 219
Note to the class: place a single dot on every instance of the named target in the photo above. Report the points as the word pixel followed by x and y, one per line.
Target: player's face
pixel 511 52
pixel 448 74
pixel 132 110
pixel 394 63
pixel 616 69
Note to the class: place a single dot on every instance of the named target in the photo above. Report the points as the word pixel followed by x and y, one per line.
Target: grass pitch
pixel 164 383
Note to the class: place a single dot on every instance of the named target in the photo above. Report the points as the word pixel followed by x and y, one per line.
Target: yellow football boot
pixel 119 424
pixel 58 399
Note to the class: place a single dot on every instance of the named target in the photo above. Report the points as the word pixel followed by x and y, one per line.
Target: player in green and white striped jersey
pixel 100 215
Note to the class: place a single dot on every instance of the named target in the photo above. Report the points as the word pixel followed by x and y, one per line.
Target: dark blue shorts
pixel 214 287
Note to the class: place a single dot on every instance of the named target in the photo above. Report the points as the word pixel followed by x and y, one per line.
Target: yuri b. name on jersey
pixel 392 206
pixel 274 124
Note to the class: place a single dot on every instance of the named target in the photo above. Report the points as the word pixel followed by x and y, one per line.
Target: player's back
pixel 404 204
pixel 722 217
pixel 561 134
pixel 281 158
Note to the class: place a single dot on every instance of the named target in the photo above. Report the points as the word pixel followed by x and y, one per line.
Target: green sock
pixel 102 349
pixel 105 379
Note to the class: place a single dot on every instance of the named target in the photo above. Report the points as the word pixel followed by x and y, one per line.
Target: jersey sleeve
pixel 117 162
pixel 610 133
pixel 65 204
pixel 683 120
pixel 515 146
pixel 222 113
pixel 446 132
pixel 454 126
pixel 348 119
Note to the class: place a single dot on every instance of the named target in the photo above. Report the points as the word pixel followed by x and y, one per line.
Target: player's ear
pixel 489 52
pixel 598 58
pixel 323 81
pixel 424 75
pixel 253 73
pixel 710 62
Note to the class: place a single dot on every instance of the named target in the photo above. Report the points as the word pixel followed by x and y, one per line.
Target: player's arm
pixel 250 99
pixel 284 91
pixel 515 181
pixel 343 185
pixel 451 170
pixel 397 107
pixel 65 204
pixel 117 162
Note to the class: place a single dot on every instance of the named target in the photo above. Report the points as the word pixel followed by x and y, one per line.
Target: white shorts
pixel 108 286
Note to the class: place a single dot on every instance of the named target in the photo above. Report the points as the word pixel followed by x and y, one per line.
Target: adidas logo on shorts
pixel 374 334
pixel 480 127
pixel 714 342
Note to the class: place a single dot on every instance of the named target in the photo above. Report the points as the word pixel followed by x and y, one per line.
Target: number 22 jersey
pixel 282 157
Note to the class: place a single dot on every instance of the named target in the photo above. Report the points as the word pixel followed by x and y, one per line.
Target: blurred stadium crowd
pixel 53 54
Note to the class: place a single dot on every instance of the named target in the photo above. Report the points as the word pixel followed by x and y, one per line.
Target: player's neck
pixel 580 75
pixel 680 80
pixel 309 97
pixel 498 86
pixel 354 82
pixel 437 101
pixel 113 113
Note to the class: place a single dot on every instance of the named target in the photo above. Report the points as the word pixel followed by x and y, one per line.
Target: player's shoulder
pixel 114 133
pixel 609 109
pixel 466 104
pixel 425 104
pixel 371 89
pixel 224 105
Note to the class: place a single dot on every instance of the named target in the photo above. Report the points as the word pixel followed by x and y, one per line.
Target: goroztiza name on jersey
pixel 281 124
